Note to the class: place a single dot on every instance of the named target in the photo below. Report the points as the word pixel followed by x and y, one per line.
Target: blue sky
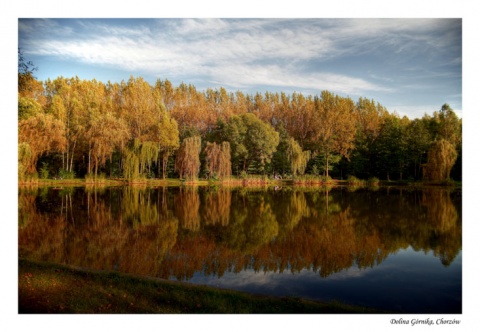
pixel 411 66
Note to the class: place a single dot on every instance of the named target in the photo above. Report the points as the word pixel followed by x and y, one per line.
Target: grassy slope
pixel 50 288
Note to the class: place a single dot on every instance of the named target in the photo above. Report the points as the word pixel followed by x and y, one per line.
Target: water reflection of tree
pixel 216 206
pixel 39 235
pixel 104 240
pixel 137 230
pixel 423 219
pixel 254 224
pixel 445 221
pixel 289 208
pixel 186 208
pixel 26 206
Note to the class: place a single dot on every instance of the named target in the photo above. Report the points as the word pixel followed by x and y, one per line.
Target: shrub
pixel 373 181
pixel 326 179
pixel 354 181
pixel 44 171
pixel 64 174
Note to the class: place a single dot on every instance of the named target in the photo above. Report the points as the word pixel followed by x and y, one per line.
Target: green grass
pixel 51 288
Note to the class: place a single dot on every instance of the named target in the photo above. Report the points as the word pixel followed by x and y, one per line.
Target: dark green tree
pixel 252 141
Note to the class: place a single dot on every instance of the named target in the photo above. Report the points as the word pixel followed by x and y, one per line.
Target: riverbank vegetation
pixel 72 128
pixel 53 288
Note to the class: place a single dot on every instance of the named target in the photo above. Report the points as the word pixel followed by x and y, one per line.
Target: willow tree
pixel 138 158
pixel 38 135
pixel 167 136
pixel 335 126
pixel 217 158
pixel 298 159
pixel 441 158
pixel 187 162
pixel 448 125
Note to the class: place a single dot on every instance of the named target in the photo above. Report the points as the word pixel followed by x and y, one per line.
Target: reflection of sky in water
pixel 409 281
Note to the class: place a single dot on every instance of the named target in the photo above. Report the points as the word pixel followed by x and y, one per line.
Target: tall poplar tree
pixel 334 126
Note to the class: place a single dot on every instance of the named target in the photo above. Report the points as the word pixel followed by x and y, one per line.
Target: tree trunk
pixel 71 160
pixel 164 165
pixel 326 164
pixel 96 169
pixel 89 160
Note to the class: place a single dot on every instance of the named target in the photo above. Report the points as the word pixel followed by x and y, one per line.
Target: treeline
pixel 70 127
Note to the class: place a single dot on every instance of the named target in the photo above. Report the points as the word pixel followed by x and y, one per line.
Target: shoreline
pixel 234 182
pixel 54 288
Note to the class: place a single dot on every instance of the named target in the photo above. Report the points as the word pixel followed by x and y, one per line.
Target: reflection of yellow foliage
pixel 217 207
pixel 137 206
pixel 441 212
pixel 305 236
pixel 187 204
pixel 104 242
pixel 290 213
pixel 263 226
pixel 26 206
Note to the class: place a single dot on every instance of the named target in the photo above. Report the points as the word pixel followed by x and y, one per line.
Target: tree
pixel 298 159
pixel 334 126
pixel 298 116
pixel 419 140
pixel 280 162
pixel 449 126
pixel 28 107
pixel 67 104
pixel 27 83
pixel 167 137
pixel 441 158
pixel 252 140
pixel 218 159
pixel 38 135
pixel 154 134
pixel 187 162
pixel 390 154
pixel 105 134
pixel 442 155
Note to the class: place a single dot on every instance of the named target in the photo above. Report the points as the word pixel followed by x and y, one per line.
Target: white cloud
pixel 239 53
pixel 279 76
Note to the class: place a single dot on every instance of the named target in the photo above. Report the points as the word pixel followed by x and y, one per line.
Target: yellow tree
pixel 370 119
pixel 168 138
pixel 217 158
pixel 166 132
pixel 105 134
pixel 298 116
pixel 66 104
pixel 146 119
pixel 139 108
pixel 441 158
pixel 187 162
pixel 298 159
pixel 334 126
pixel 37 135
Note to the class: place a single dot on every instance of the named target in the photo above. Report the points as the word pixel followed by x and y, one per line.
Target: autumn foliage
pixel 134 130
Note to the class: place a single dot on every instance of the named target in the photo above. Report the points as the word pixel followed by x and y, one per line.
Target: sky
pixel 411 66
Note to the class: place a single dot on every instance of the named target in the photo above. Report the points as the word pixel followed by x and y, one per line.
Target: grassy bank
pixel 50 288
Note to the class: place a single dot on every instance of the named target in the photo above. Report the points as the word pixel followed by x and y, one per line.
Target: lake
pixel 396 249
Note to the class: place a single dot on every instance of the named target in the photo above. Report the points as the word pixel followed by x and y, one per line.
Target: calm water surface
pixel 393 249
